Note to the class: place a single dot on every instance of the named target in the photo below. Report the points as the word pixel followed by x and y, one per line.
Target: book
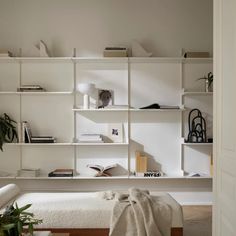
pixel 91 138
pixel 43 141
pixel 141 162
pixel 42 138
pixel 61 173
pixel 25 135
pixel 196 54
pixel 115 48
pixel 28 172
pixel 30 88
pixel 115 52
pixel 149 174
pixel 5 53
pixel 101 170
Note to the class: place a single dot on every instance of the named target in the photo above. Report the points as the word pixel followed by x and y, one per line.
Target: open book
pixel 102 171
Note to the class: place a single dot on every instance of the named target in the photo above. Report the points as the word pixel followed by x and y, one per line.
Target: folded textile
pixel 140 214
pixel 7 193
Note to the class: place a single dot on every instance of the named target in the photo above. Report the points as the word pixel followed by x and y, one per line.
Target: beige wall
pixel 162 26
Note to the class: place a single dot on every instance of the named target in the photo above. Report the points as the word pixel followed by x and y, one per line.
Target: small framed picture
pixel 115 132
pixel 105 98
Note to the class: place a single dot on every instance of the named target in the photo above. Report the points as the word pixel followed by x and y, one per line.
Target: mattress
pixel 81 210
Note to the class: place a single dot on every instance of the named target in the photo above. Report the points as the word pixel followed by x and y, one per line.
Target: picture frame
pixel 105 97
pixel 116 132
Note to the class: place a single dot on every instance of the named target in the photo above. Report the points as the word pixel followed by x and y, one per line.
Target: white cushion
pixel 7 193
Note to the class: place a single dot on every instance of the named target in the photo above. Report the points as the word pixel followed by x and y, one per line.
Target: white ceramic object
pixel 139 51
pixel 43 50
pixel 87 89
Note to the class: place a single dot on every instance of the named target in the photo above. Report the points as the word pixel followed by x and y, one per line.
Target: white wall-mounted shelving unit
pixel 136 82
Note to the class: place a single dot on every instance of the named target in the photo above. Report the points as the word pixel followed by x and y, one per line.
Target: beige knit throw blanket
pixel 140 214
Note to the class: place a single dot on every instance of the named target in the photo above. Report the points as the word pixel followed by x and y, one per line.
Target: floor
pixel 197 220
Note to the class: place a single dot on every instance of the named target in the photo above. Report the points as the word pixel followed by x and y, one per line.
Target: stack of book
pixel 61 173
pixel 5 53
pixel 30 88
pixel 91 138
pixel 43 139
pixel 28 172
pixel 196 54
pixel 115 52
pixel 25 135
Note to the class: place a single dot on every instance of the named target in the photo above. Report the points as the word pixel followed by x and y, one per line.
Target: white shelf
pixel 186 93
pixel 100 178
pixel 42 177
pixel 155 59
pixel 105 60
pixel 197 144
pixel 171 177
pixel 80 177
pixel 99 110
pixel 35 93
pixel 197 60
pixel 131 110
pixel 43 59
pixel 7 177
pixel 38 144
pixel 100 144
pixel 158 110
pixel 100 59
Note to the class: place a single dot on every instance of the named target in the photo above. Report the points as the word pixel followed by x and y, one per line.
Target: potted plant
pixel 208 81
pixel 14 221
pixel 7 130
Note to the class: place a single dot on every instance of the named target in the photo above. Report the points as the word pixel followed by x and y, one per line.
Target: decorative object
pixel 105 98
pixel 7 130
pixel 14 219
pixel 102 171
pixel 115 132
pixel 138 50
pixel 197 127
pixel 208 82
pixel 43 50
pixel 87 89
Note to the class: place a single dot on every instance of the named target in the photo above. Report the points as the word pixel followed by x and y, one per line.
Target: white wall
pixel 162 26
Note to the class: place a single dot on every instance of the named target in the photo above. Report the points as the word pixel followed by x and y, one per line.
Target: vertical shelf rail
pixel 74 115
pixel 182 114
pixel 129 106
pixel 20 84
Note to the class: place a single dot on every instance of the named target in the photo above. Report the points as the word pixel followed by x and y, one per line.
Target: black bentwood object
pixel 197 127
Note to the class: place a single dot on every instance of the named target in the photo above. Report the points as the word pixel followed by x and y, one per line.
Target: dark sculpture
pixel 197 127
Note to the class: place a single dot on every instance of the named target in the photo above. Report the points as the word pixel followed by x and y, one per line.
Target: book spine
pixel 19 132
pixel 23 132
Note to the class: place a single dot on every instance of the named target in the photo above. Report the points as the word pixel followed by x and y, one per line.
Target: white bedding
pixel 81 210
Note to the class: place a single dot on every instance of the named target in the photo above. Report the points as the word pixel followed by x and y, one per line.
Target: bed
pixel 77 213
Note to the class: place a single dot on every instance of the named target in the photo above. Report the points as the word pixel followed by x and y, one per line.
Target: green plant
pixel 7 130
pixel 209 78
pixel 15 220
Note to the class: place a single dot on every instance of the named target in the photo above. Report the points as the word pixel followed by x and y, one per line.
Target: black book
pixel 52 174
pixel 43 141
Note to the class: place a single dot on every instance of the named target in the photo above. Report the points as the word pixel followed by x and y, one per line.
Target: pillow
pixel 7 193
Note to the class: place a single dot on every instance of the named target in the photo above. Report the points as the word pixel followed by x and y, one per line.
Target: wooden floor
pixel 197 220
